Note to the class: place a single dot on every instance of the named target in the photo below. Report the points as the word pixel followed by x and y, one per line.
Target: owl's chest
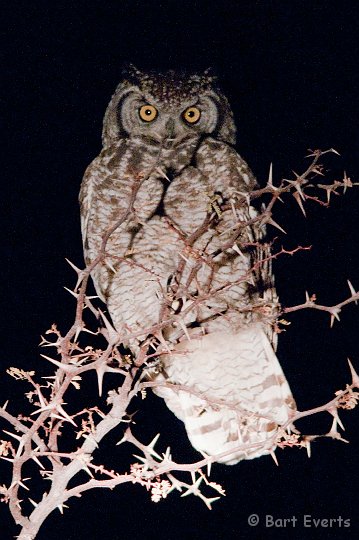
pixel 164 186
pixel 182 197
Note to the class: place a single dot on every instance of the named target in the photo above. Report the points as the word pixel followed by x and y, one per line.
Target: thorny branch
pixel 35 440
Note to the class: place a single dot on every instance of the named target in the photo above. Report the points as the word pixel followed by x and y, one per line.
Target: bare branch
pixel 38 437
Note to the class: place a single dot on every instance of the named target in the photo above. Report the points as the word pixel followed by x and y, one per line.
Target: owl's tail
pixel 236 394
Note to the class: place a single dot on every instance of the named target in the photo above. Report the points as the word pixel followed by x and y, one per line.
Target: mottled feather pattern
pixel 180 176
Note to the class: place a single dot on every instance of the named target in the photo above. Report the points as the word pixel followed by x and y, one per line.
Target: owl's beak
pixel 170 128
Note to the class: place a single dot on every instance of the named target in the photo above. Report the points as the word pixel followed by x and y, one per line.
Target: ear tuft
pixel 131 73
pixel 210 74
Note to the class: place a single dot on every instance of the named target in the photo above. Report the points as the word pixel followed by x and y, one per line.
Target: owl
pixel 184 270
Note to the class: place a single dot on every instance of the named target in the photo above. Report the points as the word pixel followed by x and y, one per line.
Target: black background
pixel 290 70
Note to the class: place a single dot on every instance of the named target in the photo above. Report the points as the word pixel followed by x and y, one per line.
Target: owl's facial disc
pixel 144 103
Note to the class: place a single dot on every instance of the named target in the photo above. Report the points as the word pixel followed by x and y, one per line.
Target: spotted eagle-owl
pixel 185 265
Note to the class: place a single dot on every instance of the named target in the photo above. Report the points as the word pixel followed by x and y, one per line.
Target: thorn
pixel 110 266
pixel 313 153
pixel 298 198
pixel 184 328
pixel 308 447
pixel 61 507
pixel 317 170
pixel 298 188
pixel 271 221
pixel 5 405
pixel 124 439
pixel 80 274
pixel 7 459
pixel 143 459
pixel 209 463
pixel 90 437
pixel 47 344
pixel 17 437
pixel 19 450
pixel 167 455
pixel 89 331
pixel 153 442
pixel 33 503
pixel 334 434
pixel 71 292
pixel 100 371
pixel 209 502
pixel 274 457
pixel 250 281
pixel 112 333
pixel 334 413
pixel 162 173
pixel 41 398
pixel 175 484
pixel 86 469
pixel 355 376
pixel 53 415
pixel 194 488
pixel 333 316
pixel 270 175
pixel 352 290
pixel 334 151
pixel 64 413
pixel 38 462
pixel 163 341
pixel 48 407
pixel 307 298
pixel 73 266
pixel 78 331
pixel 65 367
pixel 183 257
pixel 340 438
pixel 237 250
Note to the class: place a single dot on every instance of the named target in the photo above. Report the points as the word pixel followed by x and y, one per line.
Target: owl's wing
pixel 105 197
pixel 105 193
pixel 239 393
pixel 85 199
pixel 229 173
pixel 89 211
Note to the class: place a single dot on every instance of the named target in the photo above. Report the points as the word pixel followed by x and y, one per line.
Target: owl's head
pixel 167 106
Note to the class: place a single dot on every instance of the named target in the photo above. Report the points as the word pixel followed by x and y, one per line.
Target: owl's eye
pixel 191 115
pixel 148 113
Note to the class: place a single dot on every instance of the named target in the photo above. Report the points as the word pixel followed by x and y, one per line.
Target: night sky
pixel 290 70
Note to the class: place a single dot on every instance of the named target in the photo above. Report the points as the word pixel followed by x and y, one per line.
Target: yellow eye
pixel 192 115
pixel 148 113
